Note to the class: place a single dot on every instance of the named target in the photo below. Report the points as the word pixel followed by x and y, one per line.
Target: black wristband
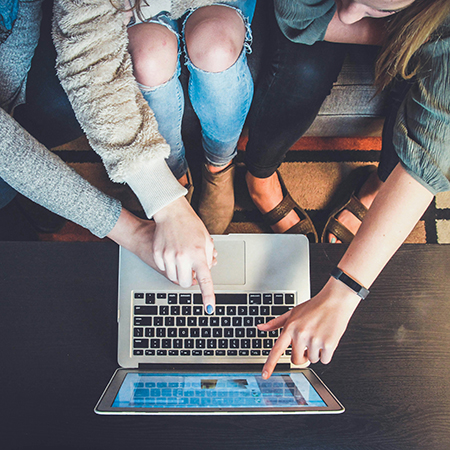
pixel 361 291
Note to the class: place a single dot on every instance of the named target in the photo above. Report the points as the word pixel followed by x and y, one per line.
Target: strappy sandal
pixel 305 226
pixel 347 200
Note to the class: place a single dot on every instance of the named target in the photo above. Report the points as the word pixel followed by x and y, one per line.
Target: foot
pixel 366 195
pixel 266 193
pixel 216 204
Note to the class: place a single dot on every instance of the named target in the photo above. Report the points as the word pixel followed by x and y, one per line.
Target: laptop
pixel 176 359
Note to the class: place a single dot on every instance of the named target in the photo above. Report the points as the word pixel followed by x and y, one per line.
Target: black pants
pixel 288 96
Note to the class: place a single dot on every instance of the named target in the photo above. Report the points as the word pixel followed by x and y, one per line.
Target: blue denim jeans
pixel 220 100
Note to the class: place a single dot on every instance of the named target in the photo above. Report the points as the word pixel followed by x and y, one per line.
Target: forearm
pixel 366 31
pixel 40 175
pixel 397 208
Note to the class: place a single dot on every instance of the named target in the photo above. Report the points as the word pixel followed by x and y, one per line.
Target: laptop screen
pixel 214 390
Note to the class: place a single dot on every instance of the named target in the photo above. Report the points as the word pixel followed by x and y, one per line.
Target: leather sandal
pixel 304 226
pixel 348 200
pixel 189 186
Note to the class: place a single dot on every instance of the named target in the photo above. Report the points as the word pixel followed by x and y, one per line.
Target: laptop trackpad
pixel 230 268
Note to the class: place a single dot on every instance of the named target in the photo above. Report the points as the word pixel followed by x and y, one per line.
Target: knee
pixel 154 52
pixel 215 40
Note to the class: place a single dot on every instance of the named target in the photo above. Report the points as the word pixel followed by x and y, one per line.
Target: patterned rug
pixel 312 171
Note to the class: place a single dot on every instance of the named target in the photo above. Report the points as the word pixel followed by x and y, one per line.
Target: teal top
pixel 422 130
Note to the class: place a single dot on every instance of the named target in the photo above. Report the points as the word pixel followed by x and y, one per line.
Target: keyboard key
pixel 155 343
pixel 243 352
pixel 185 352
pixel 140 343
pixel 220 310
pixel 255 352
pixel 211 343
pixel 172 332
pixel 245 343
pixel 172 299
pixel 203 321
pixel 231 310
pixel 158 321
pixel 253 310
pixel 248 321
pixel 192 321
pixel 267 343
pixel 206 332
pixel 231 352
pixel 223 343
pixel 217 332
pixel 262 334
pixel 149 332
pixel 264 310
pixel 169 321
pixel 234 343
pixel 177 343
pixel 208 352
pixel 231 299
pixel 183 332
pixel 194 332
pixel 181 321
pixel 138 352
pixel 251 332
pixel 279 310
pixel 278 299
pixel 173 352
pixel 273 333
pixel 197 310
pixel 166 343
pixel 239 332
pixel 161 352
pixel 139 295
pixel 189 343
pixel 267 299
pixel 256 343
pixel 143 321
pixel 161 332
pixel 266 352
pixel 200 343
pixel 138 332
pixel 149 352
pixel 164 310
pixel 161 295
pixel 145 310
pixel 220 352
pixel 197 352
pixel 185 299
pixel 186 310
pixel 242 310
pixel 289 299
pixel 228 332
pixel 214 321
pixel 175 310
pixel 225 321
pixel 236 321
pixel 254 299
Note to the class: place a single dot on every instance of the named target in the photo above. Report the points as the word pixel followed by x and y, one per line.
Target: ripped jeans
pixel 221 100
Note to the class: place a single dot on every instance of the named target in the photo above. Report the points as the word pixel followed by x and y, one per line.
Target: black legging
pixel 288 96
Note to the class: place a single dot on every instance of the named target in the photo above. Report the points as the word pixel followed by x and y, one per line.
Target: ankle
pixel 217 169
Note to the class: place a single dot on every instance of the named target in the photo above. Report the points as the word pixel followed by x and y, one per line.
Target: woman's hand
pixel 184 250
pixel 314 328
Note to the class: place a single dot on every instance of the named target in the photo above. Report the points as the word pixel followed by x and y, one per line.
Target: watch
pixel 361 291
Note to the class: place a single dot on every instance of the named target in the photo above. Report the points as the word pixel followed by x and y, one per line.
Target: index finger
pixel 278 349
pixel 205 283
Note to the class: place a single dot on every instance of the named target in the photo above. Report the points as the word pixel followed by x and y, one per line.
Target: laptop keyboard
pixel 175 324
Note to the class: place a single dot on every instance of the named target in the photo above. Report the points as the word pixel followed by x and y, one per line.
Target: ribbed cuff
pixel 155 186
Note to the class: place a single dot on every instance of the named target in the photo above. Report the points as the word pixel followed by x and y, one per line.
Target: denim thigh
pixel 291 89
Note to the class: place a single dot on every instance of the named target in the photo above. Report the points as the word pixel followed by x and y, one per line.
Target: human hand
pixel 184 250
pixel 314 328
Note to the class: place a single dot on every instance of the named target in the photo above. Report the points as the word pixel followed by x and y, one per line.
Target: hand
pixel 314 328
pixel 184 250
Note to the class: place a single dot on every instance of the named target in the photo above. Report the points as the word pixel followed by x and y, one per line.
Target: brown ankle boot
pixel 216 205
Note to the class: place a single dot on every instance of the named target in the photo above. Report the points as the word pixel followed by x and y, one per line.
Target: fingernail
pixel 265 374
pixel 209 309
pixel 333 240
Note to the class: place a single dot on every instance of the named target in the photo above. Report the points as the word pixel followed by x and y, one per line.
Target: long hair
pixel 407 32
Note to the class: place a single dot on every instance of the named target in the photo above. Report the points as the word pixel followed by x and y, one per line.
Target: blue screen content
pixel 141 390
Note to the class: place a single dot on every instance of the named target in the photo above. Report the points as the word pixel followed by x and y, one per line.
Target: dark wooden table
pixel 58 350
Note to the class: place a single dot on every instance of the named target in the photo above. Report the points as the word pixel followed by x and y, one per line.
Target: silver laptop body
pixel 272 265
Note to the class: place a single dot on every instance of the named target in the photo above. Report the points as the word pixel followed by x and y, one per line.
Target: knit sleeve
pixel 95 70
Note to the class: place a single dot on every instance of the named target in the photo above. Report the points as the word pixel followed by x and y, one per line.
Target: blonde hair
pixel 407 32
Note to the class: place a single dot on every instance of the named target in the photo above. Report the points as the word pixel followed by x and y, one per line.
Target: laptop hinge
pixel 210 367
